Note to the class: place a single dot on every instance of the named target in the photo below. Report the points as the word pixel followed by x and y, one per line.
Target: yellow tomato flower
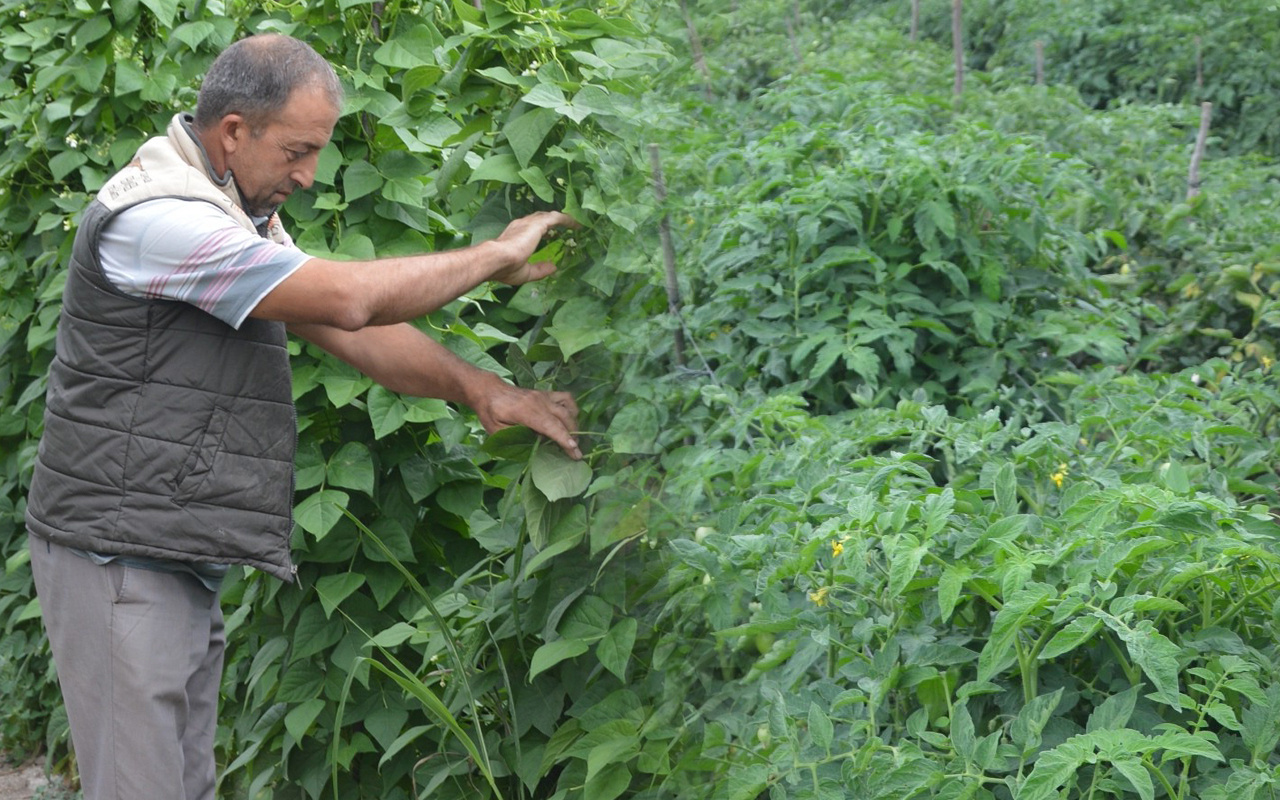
pixel 1059 476
pixel 837 547
pixel 819 597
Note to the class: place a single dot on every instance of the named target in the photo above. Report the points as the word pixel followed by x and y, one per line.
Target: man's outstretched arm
pixel 406 360
pixel 351 295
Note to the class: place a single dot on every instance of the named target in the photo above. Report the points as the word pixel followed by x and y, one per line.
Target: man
pixel 170 432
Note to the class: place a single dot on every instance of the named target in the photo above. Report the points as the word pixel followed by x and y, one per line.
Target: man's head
pixel 267 106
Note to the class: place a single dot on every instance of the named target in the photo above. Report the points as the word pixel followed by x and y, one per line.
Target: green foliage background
pixel 966 483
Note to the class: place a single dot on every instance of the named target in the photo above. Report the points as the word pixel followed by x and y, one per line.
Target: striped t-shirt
pixel 190 251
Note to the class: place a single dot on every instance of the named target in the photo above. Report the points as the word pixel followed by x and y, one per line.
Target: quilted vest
pixel 167 433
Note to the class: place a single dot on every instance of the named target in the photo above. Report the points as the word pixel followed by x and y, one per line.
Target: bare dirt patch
pixel 27 781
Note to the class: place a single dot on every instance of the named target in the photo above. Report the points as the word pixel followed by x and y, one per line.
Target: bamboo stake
pixel 915 20
pixel 957 44
pixel 1039 62
pixel 1193 174
pixel 668 252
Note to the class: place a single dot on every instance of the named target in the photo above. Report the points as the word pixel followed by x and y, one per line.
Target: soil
pixel 25 781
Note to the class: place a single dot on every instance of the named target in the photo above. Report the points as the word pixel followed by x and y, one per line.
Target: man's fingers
pixel 551 414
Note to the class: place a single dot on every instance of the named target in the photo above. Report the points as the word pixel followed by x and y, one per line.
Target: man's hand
pixel 552 414
pixel 519 241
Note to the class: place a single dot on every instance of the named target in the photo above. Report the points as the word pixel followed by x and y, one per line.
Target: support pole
pixel 957 44
pixel 795 44
pixel 1199 64
pixel 1039 62
pixel 1193 174
pixel 695 49
pixel 668 252
pixel 915 20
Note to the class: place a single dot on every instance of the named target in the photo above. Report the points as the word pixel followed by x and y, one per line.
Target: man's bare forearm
pixel 356 294
pixel 403 359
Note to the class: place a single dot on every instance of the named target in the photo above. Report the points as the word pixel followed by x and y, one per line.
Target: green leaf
pixel 1073 634
pixel 397 634
pixel 587 619
pixel 360 179
pixel 552 653
pixel 342 383
pixel 1261 724
pixel 1180 744
pixel 536 180
pixel 165 10
pixel 406 190
pixel 635 428
pixel 614 650
pixel 556 475
pixel 412 48
pixel 1052 770
pixel 65 163
pixel 963 737
pixel 501 167
pixel 587 101
pixel 333 589
pixel 1006 490
pixel 193 33
pixel 92 30
pixel 319 512
pixel 820 727
pixel 1154 653
pixel 419 78
pixel 950 584
pixel 578 324
pixel 545 95
pixel 419 410
pixel 936 510
pixel 1029 725
pixel 387 411
pixel 1018 613
pixel 904 563
pixel 352 468
pixel 130 78
pixel 313 632
pixel 609 783
pixel 527 132
pixel 1136 774
pixel 298 721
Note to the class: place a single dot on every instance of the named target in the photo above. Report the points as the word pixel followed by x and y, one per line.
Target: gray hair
pixel 255 77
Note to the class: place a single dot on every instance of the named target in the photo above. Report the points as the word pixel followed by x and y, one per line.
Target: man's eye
pixel 294 155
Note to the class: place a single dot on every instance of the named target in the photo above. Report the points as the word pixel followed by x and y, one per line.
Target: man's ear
pixel 233 130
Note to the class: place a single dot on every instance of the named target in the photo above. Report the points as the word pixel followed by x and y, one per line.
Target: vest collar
pixel 186 143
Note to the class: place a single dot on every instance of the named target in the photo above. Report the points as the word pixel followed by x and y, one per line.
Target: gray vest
pixel 168 433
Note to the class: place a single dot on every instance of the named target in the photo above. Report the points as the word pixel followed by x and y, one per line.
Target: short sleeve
pixel 192 252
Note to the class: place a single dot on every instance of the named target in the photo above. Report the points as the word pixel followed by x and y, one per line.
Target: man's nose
pixel 305 173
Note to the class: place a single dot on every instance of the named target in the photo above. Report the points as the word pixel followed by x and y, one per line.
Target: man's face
pixel 280 157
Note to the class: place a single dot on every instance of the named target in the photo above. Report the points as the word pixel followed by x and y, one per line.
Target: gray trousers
pixel 139 659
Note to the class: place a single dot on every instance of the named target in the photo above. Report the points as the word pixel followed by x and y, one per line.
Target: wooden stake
pixel 668 252
pixel 1199 65
pixel 1039 62
pixel 915 20
pixel 695 48
pixel 957 44
pixel 795 45
pixel 1193 174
